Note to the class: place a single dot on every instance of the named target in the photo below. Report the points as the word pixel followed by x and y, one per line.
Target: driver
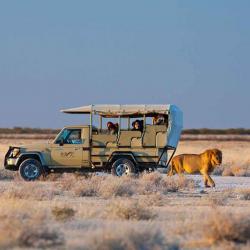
pixel 75 137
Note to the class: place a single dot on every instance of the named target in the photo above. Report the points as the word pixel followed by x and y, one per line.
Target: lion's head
pixel 215 156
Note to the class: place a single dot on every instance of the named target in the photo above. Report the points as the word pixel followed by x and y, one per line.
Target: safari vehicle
pixel 90 148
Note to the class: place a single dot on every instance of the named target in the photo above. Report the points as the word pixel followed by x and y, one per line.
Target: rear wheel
pixel 30 169
pixel 122 167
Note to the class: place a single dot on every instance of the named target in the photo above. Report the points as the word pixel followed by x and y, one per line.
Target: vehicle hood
pixel 35 147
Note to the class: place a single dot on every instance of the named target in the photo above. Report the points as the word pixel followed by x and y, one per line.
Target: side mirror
pixel 61 142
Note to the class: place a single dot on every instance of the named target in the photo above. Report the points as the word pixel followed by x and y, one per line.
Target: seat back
pixel 127 136
pixel 149 138
pixel 101 140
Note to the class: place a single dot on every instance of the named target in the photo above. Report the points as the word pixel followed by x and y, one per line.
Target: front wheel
pixel 122 167
pixel 30 169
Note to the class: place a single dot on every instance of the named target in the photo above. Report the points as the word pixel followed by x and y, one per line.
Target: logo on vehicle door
pixel 67 154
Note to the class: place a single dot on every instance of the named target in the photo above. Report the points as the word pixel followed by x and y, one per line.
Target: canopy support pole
pixel 128 123
pixel 144 128
pixel 119 131
pixel 100 121
pixel 91 124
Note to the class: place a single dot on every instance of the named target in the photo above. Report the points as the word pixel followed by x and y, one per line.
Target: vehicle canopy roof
pixel 120 110
pixel 175 116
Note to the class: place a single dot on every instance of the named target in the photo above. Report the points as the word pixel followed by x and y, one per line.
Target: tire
pixel 122 167
pixel 30 169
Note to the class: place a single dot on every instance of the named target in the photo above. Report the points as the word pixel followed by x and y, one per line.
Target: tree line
pixel 203 131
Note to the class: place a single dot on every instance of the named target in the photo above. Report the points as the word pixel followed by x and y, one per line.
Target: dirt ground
pixel 151 212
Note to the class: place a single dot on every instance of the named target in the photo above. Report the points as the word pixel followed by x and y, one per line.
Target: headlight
pixel 15 152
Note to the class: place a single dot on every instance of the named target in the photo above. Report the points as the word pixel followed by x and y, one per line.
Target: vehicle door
pixel 67 151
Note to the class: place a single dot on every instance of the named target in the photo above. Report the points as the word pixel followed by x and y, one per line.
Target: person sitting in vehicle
pixel 159 120
pixel 112 128
pixel 74 137
pixel 137 125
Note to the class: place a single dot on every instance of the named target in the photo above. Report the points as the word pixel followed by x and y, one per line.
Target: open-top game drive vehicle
pixel 119 148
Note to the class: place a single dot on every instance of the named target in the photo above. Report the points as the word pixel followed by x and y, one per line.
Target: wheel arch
pixel 31 155
pixel 118 155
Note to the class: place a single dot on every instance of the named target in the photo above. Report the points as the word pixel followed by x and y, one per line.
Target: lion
pixel 192 163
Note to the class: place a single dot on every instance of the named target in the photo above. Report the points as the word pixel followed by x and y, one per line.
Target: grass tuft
pixel 129 210
pixel 40 237
pixel 63 213
pixel 227 227
pixel 127 238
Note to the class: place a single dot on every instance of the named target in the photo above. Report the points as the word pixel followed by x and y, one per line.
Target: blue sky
pixel 59 54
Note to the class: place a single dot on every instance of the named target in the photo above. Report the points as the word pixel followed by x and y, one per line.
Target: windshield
pixel 69 136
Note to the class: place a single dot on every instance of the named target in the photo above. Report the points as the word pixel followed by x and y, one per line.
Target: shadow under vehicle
pixel 125 150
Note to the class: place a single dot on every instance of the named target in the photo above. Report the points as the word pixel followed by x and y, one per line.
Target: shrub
pixel 128 210
pixel 155 199
pixel 113 186
pixel 227 172
pixel 51 177
pixel 236 171
pixel 156 182
pixel 104 186
pixel 218 170
pixel 9 232
pixel 21 226
pixel 110 186
pixel 63 213
pixel 29 190
pixel 40 237
pixel 175 184
pixel 67 181
pixel 244 194
pixel 6 175
pixel 153 178
pixel 127 238
pixel 87 187
pixel 227 227
pixel 218 200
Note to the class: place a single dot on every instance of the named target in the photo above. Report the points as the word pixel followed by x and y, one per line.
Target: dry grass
pixel 22 226
pixel 236 171
pixel 119 213
pixel 63 213
pixel 233 170
pixel 113 187
pixel 67 181
pixel 128 238
pixel 51 177
pixel 155 182
pixel 176 184
pixel 244 194
pixel 220 199
pixel 110 186
pixel 40 237
pixel 29 190
pixel 218 171
pixel 222 227
pixel 6 175
pixel 152 200
pixel 105 187
pixel 128 210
